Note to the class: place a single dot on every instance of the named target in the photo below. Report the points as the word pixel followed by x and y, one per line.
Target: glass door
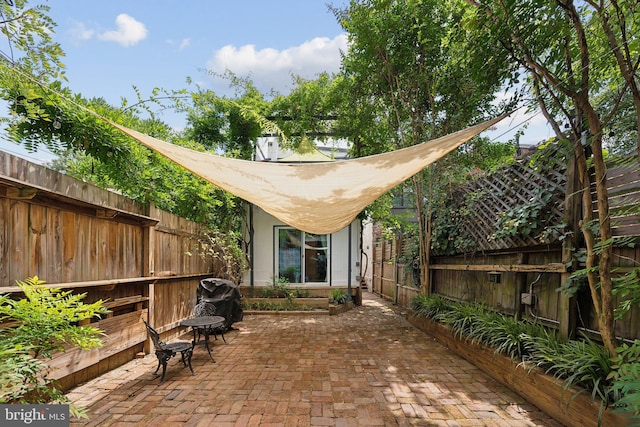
pixel 302 257
pixel 315 258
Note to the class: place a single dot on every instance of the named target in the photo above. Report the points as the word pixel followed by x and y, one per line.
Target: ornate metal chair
pixel 204 308
pixel 165 351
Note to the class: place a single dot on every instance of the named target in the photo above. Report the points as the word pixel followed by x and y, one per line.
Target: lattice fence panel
pixel 481 209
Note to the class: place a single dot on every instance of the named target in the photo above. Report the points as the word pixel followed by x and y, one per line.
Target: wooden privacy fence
pixel 142 261
pixel 516 273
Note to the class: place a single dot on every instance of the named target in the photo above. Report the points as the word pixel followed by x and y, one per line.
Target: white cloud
pixel 181 45
pixel 129 31
pixel 80 32
pixel 272 69
pixel 184 44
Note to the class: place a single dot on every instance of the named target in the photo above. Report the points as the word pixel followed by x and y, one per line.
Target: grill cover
pixel 224 296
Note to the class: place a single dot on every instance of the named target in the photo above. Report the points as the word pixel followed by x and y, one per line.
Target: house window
pixel 302 257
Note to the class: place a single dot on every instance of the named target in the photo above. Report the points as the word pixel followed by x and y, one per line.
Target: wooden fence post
pixel 148 269
pixel 567 313
pixel 148 345
pixel 149 243
pixel 521 285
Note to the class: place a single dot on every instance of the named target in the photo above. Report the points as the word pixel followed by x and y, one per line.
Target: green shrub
pixel 301 293
pixel 625 377
pixel 279 288
pixel 45 322
pixel 18 374
pixel 339 296
pixel 224 250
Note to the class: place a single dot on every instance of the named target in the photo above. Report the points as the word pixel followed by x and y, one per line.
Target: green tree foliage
pixel 27 51
pixel 45 322
pixel 415 63
pixel 92 150
pixel 308 111
pixel 28 44
pixel 621 133
pixel 584 49
pixel 230 127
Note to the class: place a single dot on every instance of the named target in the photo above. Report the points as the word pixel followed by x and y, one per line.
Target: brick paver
pixel 366 367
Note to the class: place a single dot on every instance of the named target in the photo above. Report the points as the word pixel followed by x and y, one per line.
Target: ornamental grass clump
pixel 430 306
pixel 506 334
pixel 582 362
pixel 478 324
pixel 464 319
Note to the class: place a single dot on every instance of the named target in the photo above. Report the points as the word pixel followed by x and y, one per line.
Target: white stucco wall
pixel 264 250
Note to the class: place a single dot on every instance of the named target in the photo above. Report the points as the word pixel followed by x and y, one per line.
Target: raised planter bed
pixel 316 305
pixel 298 302
pixel 543 391
pixel 312 291
pixel 316 312
pixel 340 308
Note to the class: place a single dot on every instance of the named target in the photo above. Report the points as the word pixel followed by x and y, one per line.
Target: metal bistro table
pixel 206 323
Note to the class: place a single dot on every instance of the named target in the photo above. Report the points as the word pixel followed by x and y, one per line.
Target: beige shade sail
pixel 319 198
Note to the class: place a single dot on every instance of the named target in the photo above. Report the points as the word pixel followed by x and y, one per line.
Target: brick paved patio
pixel 366 367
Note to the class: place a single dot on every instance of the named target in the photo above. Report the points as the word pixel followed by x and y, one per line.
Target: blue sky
pixel 114 45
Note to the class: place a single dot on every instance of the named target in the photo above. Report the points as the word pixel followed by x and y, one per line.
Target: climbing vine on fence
pixel 519 205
